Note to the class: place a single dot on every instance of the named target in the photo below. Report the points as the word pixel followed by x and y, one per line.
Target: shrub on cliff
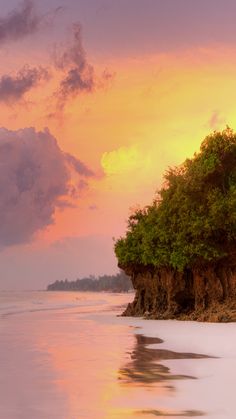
pixel 192 220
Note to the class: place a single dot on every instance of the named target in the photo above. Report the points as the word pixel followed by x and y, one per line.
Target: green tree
pixel 192 220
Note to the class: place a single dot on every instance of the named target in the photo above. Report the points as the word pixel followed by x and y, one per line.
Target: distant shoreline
pixel 118 283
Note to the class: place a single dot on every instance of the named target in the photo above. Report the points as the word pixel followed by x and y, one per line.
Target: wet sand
pixel 145 369
pixel 82 361
pixel 145 366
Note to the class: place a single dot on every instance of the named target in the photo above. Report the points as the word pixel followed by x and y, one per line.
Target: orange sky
pixel 154 112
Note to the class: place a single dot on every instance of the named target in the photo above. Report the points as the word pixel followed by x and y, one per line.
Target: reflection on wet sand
pixel 146 370
pixel 145 366
pixel 187 413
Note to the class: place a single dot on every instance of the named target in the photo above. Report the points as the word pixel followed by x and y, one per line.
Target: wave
pixel 23 303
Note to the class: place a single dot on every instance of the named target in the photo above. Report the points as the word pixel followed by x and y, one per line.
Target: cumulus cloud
pixel 36 177
pixel 20 22
pixel 78 74
pixel 13 88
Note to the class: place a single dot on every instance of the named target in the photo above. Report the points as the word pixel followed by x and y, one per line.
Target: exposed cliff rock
pixel 207 295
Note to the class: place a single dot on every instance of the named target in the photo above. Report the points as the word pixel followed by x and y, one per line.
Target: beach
pixel 68 355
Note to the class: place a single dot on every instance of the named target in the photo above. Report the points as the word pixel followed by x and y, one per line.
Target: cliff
pixel 207 295
pixel 180 250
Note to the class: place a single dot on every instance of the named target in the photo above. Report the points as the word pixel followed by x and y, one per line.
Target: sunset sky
pixel 97 99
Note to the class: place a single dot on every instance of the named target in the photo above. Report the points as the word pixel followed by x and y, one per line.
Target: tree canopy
pixel 192 220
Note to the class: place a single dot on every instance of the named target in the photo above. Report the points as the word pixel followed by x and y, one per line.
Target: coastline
pixel 80 359
pixel 207 386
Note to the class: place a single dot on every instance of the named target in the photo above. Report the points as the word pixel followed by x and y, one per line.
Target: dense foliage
pixel 112 283
pixel 192 220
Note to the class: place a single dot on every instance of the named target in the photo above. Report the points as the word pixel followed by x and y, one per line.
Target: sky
pixel 97 99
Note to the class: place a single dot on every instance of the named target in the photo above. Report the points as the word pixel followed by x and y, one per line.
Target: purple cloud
pixel 93 207
pixel 20 22
pixel 216 120
pixel 78 166
pixel 79 75
pixel 13 88
pixel 35 179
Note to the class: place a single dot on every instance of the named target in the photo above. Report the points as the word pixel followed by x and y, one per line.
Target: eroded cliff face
pixel 205 295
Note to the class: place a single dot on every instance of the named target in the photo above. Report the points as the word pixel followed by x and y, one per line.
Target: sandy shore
pixel 212 392
pixel 68 356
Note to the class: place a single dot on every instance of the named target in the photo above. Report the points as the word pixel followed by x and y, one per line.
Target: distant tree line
pixel 111 283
